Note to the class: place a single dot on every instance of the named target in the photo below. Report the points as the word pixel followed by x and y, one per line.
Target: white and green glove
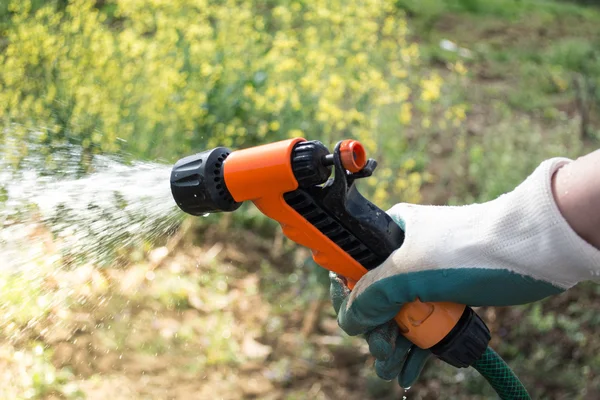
pixel 513 250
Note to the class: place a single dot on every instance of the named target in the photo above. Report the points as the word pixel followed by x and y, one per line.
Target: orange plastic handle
pixel 263 174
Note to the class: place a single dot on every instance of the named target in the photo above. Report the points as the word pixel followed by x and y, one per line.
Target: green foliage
pixel 508 151
pixel 38 378
pixel 14 304
pixel 576 66
pixel 576 55
pixel 545 69
pixel 6 13
pixel 585 2
pixel 427 12
pixel 167 80
pixel 508 9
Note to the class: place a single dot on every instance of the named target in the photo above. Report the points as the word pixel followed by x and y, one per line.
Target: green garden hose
pixel 504 381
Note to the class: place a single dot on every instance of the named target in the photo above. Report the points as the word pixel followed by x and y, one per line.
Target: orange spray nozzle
pixel 290 182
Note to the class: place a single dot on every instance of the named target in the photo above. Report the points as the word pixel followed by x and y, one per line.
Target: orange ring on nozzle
pixel 353 155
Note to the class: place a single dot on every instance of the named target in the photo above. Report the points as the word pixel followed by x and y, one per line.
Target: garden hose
pixel 499 375
pixel 290 181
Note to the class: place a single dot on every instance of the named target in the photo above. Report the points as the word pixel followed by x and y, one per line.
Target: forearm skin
pixel 576 189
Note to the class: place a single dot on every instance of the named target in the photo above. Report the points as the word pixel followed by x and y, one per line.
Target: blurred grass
pixel 539 57
pixel 159 80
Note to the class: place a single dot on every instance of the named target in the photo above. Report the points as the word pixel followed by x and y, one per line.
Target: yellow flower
pixel 405 113
pixel 401 184
pixel 431 88
pixel 248 90
pixel 263 129
pixel 459 112
pixel 274 125
pixel 460 68
pixel 415 178
pixel 409 164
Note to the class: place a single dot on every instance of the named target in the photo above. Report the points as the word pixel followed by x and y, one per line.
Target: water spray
pixel 90 218
pixel 290 181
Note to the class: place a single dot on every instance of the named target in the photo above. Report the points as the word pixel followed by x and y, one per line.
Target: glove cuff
pixel 522 231
pixel 558 254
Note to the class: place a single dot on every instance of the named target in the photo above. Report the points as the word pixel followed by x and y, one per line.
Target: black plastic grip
pixel 306 206
pixel 337 209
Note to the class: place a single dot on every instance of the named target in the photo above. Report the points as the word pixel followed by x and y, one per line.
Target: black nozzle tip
pixel 198 185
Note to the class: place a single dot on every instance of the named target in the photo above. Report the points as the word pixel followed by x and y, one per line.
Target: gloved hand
pixel 396 356
pixel 513 250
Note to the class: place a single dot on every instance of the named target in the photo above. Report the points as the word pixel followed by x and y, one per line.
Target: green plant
pixel 506 153
pixel 161 81
pixel 581 62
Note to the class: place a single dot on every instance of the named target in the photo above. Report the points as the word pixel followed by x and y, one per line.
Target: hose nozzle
pixel 198 185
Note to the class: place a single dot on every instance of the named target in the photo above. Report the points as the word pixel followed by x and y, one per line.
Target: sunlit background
pixel 107 291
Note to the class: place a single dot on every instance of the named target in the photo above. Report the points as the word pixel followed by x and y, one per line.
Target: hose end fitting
pixel 466 342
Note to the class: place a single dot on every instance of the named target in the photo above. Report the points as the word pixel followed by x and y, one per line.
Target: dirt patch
pixel 207 319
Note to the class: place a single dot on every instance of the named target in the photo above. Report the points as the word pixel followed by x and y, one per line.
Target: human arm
pixel 576 189
pixel 519 248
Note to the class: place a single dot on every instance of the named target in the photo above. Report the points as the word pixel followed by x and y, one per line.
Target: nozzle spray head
pixel 198 185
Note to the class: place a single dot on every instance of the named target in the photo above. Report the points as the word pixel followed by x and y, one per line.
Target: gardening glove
pixel 513 250
pixel 395 356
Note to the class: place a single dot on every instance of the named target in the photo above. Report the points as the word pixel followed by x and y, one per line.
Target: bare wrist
pixel 576 190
